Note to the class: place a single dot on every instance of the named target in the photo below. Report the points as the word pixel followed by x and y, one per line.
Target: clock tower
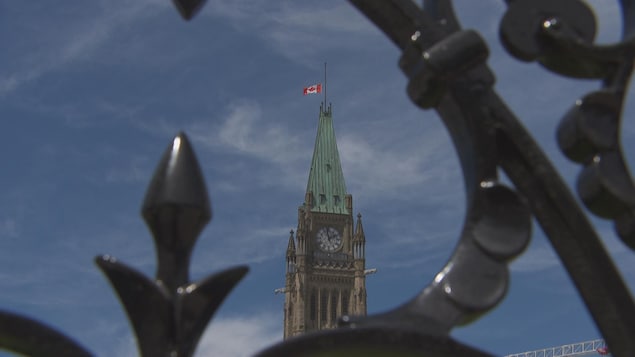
pixel 325 255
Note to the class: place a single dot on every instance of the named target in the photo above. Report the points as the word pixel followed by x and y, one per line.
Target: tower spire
pixel 359 230
pixel 326 189
pixel 326 276
pixel 291 245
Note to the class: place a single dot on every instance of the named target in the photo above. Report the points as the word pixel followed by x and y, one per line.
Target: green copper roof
pixel 326 180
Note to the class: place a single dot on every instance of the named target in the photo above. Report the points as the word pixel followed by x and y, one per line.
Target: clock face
pixel 329 239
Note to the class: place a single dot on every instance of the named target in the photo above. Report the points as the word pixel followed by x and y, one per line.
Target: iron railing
pixel 579 349
pixel 447 70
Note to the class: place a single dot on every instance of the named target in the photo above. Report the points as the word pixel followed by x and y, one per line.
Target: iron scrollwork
pixel 447 70
pixel 168 314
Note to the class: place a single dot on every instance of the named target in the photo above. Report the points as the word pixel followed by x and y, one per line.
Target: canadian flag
pixel 603 351
pixel 316 88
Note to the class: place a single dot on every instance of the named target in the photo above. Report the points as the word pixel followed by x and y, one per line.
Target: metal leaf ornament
pixel 29 337
pixel 170 313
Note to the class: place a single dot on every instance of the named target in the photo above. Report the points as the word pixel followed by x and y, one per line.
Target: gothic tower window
pixel 333 306
pixel 322 199
pixel 312 307
pixel 324 299
pixel 345 302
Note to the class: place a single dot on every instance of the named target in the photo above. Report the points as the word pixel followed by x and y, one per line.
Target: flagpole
pixel 325 86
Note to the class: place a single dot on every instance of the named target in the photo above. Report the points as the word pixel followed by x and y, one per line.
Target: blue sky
pixel 91 93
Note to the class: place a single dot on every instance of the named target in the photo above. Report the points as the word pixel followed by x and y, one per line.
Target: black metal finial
pixel 169 314
pixel 176 208
pixel 188 8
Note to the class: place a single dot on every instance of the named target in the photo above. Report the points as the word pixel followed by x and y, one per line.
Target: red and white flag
pixel 603 351
pixel 316 88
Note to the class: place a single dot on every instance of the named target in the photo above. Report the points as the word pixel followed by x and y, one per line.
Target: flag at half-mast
pixel 314 89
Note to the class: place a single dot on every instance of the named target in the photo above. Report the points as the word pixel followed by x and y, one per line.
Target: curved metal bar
pixel 628 18
pixel 560 36
pixel 370 341
pixel 571 235
pixel 447 71
pixel 497 224
pixel 443 13
pixel 33 338
pixel 589 134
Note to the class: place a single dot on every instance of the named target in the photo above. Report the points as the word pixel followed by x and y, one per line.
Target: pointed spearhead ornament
pixel 188 8
pixel 176 208
pixel 170 313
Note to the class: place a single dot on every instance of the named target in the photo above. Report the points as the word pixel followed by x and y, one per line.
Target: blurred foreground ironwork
pixel 447 71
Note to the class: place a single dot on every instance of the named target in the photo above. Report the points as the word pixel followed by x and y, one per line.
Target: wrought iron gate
pixel 447 71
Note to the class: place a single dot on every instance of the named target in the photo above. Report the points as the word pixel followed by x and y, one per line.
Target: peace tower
pixel 325 256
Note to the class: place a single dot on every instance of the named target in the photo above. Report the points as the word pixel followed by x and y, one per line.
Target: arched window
pixel 312 306
pixel 333 306
pixel 324 299
pixel 345 299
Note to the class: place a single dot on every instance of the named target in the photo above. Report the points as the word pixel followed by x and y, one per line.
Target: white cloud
pixel 540 255
pixel 378 166
pixel 134 170
pixel 295 29
pixel 67 43
pixel 244 132
pixel 394 165
pixel 248 245
pixel 240 336
pixel 8 228
pixel 393 169
pixel 294 17
pixel 126 347
pixel 232 336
